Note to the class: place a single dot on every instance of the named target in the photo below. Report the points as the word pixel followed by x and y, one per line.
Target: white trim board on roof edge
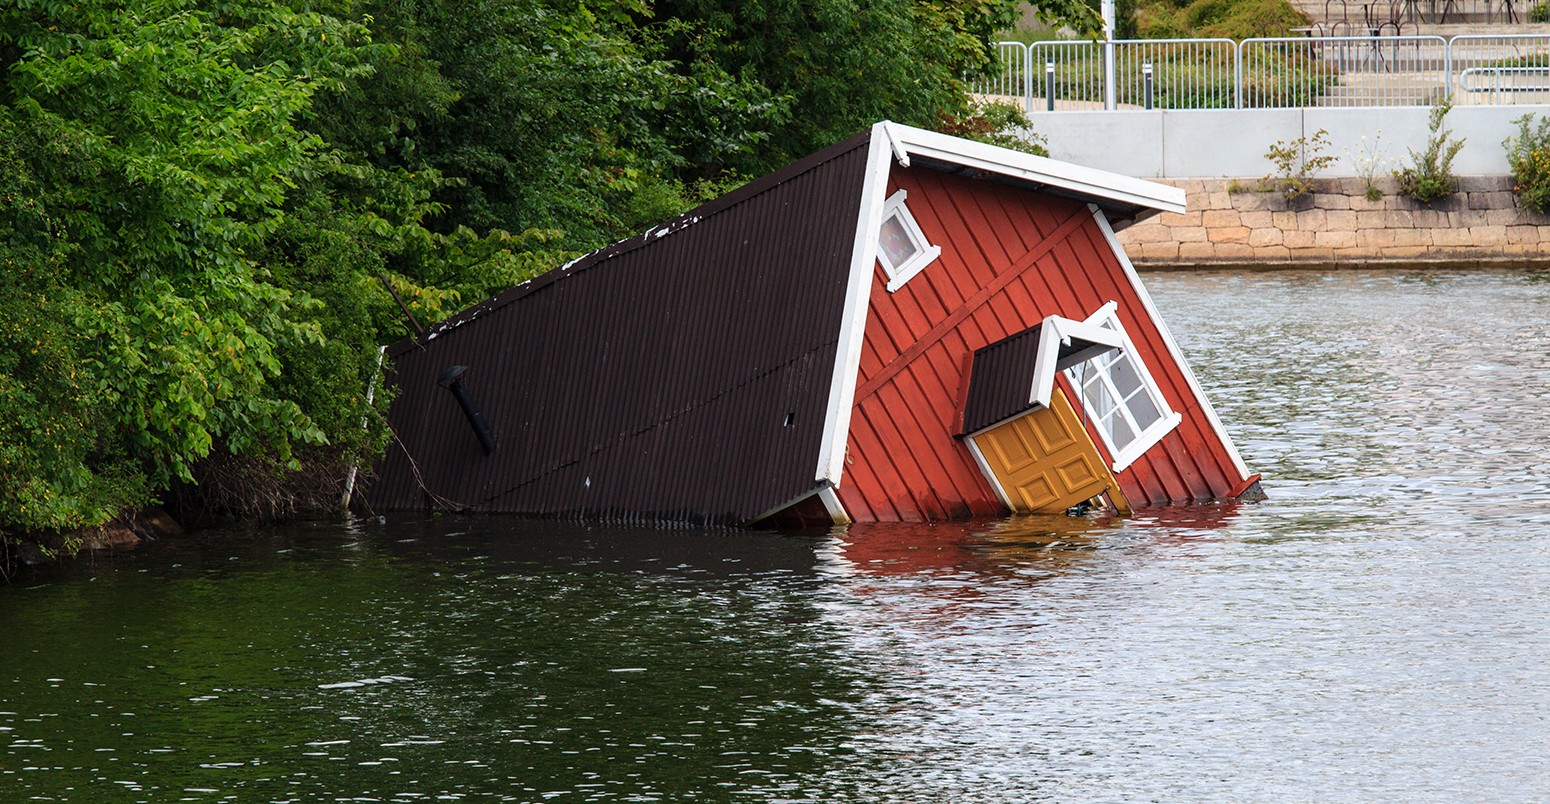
pixel 858 296
pixel 1090 183
pixel 1173 346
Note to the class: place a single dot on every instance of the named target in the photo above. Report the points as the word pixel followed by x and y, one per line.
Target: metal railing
pixel 1184 74
pixel 1342 71
pixel 1291 72
pixel 1502 69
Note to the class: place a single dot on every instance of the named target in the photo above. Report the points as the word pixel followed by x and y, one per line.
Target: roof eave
pixel 1110 191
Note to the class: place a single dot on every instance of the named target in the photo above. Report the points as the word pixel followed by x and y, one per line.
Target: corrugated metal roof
pixel 1015 374
pixel 1001 380
pixel 681 374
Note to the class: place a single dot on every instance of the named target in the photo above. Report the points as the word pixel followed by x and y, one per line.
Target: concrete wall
pixel 1233 142
pixel 1338 225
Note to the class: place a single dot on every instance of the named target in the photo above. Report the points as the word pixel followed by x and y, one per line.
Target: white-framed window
pixel 1120 397
pixel 902 247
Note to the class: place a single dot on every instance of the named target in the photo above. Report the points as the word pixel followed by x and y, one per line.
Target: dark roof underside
pixel 680 375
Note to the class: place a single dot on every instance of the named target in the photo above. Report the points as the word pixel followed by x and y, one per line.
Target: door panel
pixel 1044 460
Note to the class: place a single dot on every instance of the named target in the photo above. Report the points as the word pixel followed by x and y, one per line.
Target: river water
pixel 1376 630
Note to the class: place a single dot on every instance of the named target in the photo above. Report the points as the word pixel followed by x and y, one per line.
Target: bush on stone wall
pixel 1529 155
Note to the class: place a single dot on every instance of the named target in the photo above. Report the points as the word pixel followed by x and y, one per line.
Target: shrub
pixel 1430 175
pixel 1296 162
pixel 1529 155
pixel 1003 124
pixel 1539 12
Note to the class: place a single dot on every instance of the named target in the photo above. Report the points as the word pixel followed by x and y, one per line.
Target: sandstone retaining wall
pixel 1337 225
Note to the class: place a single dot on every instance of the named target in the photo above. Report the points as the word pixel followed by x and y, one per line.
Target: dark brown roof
pixel 682 374
pixel 1004 374
pixel 1001 380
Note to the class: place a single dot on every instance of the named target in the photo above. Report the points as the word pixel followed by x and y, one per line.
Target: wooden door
pixel 1045 462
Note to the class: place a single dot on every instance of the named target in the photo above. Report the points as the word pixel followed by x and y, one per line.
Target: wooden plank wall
pixel 1009 259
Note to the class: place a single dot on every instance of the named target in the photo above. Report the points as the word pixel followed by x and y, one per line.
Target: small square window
pixel 901 245
pixel 896 243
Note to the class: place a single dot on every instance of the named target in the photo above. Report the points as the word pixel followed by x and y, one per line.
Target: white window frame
pixel 925 253
pixel 1123 455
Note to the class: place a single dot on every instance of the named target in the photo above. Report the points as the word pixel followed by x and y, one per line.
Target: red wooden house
pixel 904 326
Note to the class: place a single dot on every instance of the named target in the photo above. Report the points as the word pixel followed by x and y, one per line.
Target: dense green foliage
pixel 1226 19
pixel 1529 155
pixel 203 202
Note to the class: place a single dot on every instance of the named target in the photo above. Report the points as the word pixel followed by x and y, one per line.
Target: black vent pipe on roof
pixel 452 380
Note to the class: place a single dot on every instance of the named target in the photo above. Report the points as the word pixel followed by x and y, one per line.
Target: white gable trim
pixel 1089 182
pixel 1173 347
pixel 858 294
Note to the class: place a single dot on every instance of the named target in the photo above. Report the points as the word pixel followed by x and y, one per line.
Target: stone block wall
pixel 1228 223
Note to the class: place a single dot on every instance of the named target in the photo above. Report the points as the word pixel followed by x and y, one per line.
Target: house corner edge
pixel 847 362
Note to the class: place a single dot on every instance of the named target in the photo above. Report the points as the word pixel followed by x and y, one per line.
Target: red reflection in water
pixel 1000 546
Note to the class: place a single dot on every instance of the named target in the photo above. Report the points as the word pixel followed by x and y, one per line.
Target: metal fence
pixel 1502 69
pixel 1292 72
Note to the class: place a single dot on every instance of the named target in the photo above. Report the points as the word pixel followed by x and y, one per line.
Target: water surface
pixel 1374 631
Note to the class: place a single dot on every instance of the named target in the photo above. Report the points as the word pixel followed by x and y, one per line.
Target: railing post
pixel 1146 75
pixel 1028 78
pixel 1107 7
pixel 1447 69
pixel 1049 85
pixel 1237 76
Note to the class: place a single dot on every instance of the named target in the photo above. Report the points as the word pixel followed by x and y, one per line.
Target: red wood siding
pixel 1009 259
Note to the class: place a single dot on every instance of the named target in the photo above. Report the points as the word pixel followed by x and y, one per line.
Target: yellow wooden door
pixel 1045 461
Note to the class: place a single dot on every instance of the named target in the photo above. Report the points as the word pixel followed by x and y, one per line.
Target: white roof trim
pixel 1093 184
pixel 1054 333
pixel 1173 347
pixel 858 296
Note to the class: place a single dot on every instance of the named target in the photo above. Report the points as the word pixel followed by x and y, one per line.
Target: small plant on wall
pixel 1296 162
pixel 1367 160
pixel 1529 155
pixel 1430 174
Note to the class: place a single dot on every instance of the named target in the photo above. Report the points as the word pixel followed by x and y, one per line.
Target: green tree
pixel 171 150
pixel 833 68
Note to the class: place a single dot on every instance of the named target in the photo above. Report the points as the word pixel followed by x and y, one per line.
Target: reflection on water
pixel 1374 631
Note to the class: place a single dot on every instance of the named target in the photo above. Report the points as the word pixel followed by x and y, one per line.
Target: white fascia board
pixel 831 503
pixel 858 295
pixel 1091 183
pixel 1173 347
pixel 1044 364
pixel 1067 329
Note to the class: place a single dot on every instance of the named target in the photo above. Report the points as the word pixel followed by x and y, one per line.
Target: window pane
pixel 896 243
pixel 1126 379
pixel 1097 399
pixel 1119 432
pixel 1143 410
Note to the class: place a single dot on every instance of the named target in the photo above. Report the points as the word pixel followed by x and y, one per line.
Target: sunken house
pixel 904 326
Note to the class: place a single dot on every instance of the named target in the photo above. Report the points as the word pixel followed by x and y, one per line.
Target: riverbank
pixel 1228 225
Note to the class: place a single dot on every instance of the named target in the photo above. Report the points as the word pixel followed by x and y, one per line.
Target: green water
pixel 1374 631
